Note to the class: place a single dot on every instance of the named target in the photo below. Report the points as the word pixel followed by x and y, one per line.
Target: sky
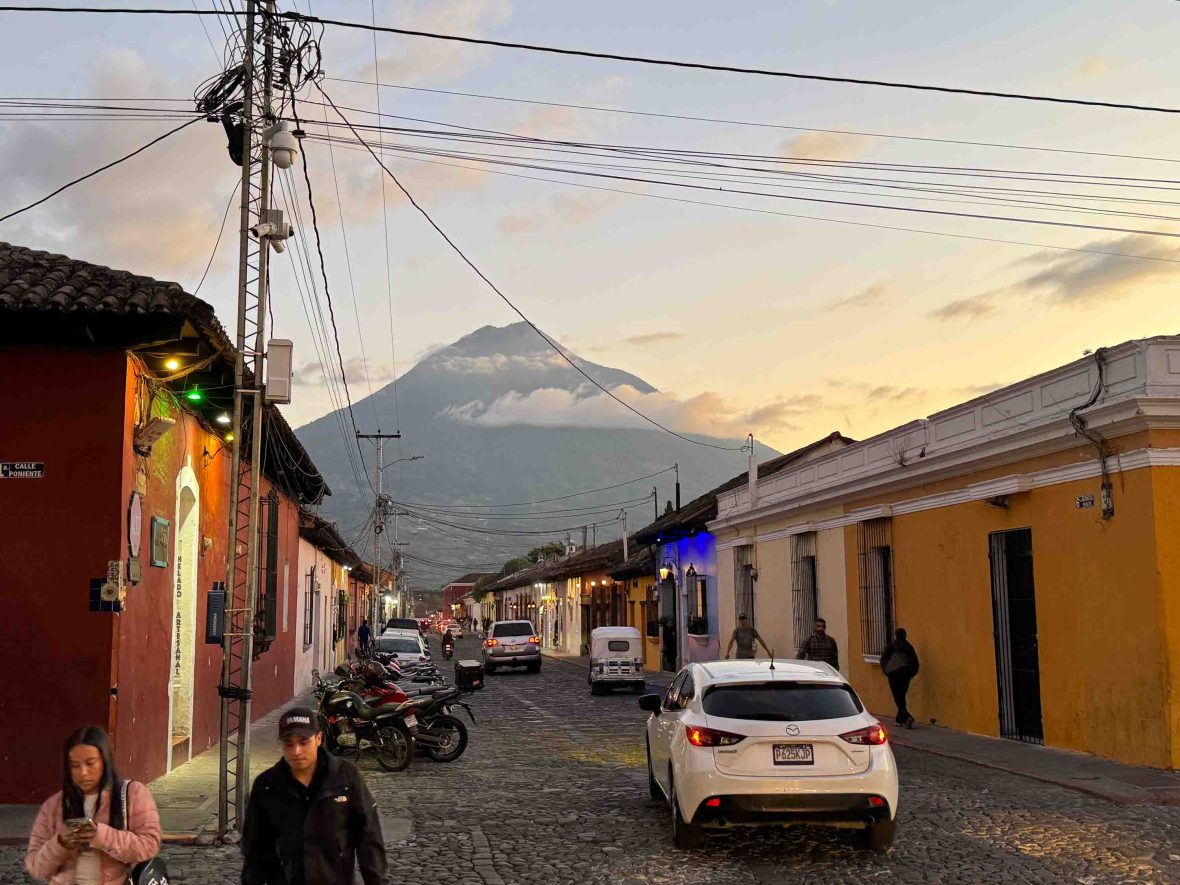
pixel 746 320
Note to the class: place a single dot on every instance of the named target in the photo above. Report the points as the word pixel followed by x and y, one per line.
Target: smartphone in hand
pixel 77 823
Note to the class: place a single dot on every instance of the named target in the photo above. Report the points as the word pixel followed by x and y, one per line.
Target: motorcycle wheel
pixel 396 750
pixel 452 736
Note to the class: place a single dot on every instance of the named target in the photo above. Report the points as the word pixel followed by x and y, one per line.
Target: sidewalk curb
pixel 1120 801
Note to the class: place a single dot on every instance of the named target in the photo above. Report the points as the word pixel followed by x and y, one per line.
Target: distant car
pixel 403 645
pixel 403 624
pixel 455 629
pixel 751 743
pixel 512 644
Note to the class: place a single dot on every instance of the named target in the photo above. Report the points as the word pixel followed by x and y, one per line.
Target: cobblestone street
pixel 552 790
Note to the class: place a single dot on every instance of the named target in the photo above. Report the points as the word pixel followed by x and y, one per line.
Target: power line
pixel 559 498
pixel 328 295
pixel 103 168
pixel 806 217
pixel 220 231
pixel 757 124
pixel 508 301
pixel 630 59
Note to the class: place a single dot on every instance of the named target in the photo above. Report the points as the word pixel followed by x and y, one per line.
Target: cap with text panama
pixel 300 721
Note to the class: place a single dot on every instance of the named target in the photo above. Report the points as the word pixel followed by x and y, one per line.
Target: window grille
pixel 309 610
pixel 698 605
pixel 744 582
pixel 804 585
pixel 874 547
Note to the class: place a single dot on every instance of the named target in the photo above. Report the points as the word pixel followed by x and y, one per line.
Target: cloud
pixel 653 338
pixel 311 374
pixel 560 209
pixel 974 307
pixel 156 214
pixel 1106 272
pixel 494 364
pixel 707 413
pixel 826 146
pixel 869 296
pixel 413 60
pixel 1079 278
pixel 1094 66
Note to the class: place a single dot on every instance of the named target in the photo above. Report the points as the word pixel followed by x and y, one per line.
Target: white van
pixel 616 659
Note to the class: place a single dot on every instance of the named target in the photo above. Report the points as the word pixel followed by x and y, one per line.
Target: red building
pixel 456 590
pixel 112 540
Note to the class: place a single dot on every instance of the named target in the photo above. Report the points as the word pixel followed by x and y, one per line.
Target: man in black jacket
pixel 311 820
pixel 899 662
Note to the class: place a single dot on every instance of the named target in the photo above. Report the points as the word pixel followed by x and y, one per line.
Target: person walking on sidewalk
pixel 83 834
pixel 364 636
pixel 310 820
pixel 819 646
pixel 899 663
pixel 744 636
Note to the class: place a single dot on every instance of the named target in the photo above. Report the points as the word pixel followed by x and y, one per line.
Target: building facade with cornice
pixel 1028 540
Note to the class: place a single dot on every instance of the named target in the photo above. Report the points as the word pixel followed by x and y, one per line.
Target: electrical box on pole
pixel 279 370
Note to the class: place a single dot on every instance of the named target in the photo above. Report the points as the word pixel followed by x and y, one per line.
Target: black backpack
pixel 148 872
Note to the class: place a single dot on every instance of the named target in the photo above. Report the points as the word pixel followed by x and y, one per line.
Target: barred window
pixel 804 585
pixel 743 564
pixel 309 609
pixel 874 547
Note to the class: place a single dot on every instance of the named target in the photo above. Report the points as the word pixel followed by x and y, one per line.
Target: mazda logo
pixel 792 729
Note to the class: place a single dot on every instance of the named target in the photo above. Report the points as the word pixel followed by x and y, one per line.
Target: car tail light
pixel 490 643
pixel 533 640
pixel 874 735
pixel 876 801
pixel 711 737
pixel 713 803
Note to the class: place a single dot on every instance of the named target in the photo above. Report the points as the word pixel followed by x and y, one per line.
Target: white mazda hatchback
pixel 755 743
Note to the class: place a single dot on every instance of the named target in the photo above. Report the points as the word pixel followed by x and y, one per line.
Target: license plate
pixel 515 647
pixel 793 754
pixel 411 722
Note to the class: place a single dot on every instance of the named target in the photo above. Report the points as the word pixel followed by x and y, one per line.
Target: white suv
pixel 751 743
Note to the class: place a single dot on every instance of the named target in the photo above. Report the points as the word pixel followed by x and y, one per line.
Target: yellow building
pixel 637 576
pixel 1028 540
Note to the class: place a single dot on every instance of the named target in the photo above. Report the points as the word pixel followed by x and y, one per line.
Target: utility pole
pixel 249 388
pixel 626 541
pixel 655 503
pixel 378 515
pixel 676 467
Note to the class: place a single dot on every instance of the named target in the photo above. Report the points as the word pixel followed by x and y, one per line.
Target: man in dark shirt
pixel 364 635
pixel 819 646
pixel 310 820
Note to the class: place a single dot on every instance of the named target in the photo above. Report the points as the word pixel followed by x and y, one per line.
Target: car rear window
pixel 618 645
pixel 782 701
pixel 399 644
pixel 403 624
pixel 513 628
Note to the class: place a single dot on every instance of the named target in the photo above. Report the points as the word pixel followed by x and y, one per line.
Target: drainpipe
pixel 1101 446
pixel 752 468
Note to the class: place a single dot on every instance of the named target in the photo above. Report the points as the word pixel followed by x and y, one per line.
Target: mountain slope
pixel 477 453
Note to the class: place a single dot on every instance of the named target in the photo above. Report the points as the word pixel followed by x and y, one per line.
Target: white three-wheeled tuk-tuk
pixel 616 659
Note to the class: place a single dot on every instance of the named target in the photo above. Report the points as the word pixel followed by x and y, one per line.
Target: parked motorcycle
pixel 351 727
pixel 441 735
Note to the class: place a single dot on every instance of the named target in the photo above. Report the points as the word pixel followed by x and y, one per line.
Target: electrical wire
pixel 630 59
pixel 220 231
pixel 560 497
pixel 103 168
pixel 509 302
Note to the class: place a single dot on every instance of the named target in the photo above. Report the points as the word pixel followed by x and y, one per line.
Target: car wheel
pixel 878 836
pixel 685 836
pixel 641 688
pixel 534 668
pixel 653 786
pixel 489 669
pixel 595 688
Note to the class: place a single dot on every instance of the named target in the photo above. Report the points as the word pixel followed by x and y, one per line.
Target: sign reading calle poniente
pixel 22 469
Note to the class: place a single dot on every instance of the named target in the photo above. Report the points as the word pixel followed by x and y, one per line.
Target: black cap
pixel 298 720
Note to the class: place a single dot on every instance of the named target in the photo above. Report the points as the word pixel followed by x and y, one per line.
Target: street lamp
pixel 410 458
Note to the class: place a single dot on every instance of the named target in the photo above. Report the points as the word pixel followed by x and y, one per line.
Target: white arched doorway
pixel 181 663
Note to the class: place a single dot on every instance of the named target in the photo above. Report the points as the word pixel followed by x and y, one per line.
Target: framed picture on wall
pixel 160 542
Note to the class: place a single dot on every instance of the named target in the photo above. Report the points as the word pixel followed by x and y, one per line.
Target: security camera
pixel 284 146
pixel 263 229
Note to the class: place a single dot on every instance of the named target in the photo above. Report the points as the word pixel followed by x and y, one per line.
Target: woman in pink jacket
pixel 83 835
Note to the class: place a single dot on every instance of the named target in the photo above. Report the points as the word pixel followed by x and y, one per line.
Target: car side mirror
pixel 650 703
